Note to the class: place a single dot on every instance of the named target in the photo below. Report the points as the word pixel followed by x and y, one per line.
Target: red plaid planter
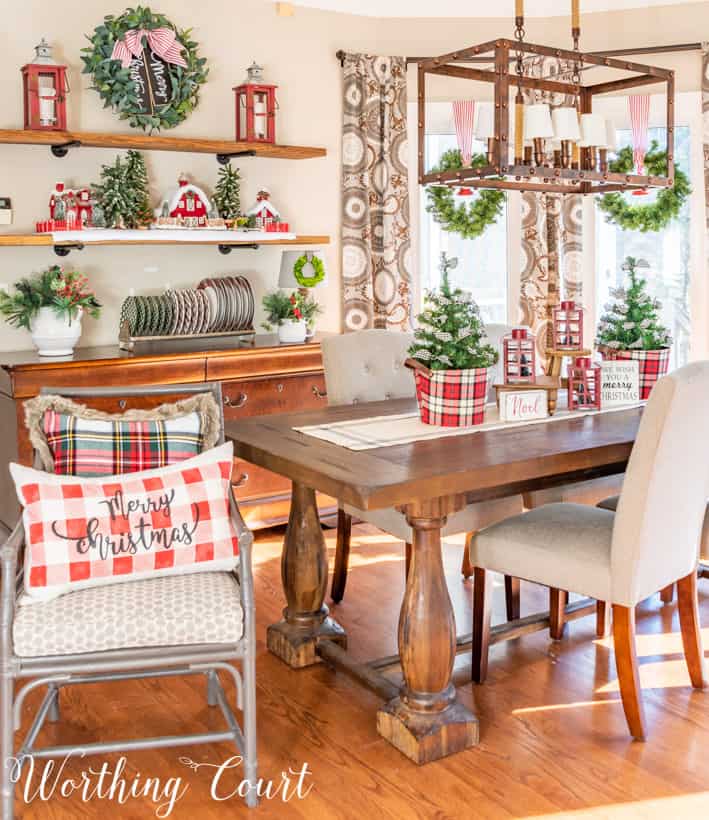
pixel 451 398
pixel 653 364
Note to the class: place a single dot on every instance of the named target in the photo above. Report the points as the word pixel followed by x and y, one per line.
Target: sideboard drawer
pixel 250 481
pixel 257 397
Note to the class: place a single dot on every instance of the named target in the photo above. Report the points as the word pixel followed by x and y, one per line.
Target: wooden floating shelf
pixel 61 141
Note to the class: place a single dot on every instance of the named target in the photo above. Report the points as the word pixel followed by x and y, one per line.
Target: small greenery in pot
pixel 281 307
pixel 66 292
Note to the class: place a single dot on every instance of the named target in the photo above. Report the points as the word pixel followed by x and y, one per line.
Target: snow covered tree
pixel 227 194
pixel 138 187
pixel 113 196
pixel 450 334
pixel 631 321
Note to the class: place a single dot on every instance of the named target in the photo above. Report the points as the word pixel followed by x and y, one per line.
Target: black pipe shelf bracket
pixel 65 250
pixel 223 159
pixel 62 149
pixel 225 249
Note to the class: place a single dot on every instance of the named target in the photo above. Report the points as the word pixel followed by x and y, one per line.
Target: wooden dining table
pixel 427 480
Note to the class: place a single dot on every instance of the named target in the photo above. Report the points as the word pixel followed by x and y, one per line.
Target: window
pixel 667 252
pixel 482 262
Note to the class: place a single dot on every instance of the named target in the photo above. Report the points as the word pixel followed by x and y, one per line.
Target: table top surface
pixel 482 465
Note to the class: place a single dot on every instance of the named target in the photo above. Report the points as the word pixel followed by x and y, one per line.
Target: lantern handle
pixel 223 159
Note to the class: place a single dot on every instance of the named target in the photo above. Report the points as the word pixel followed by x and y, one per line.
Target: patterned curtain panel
pixel 551 233
pixel 376 242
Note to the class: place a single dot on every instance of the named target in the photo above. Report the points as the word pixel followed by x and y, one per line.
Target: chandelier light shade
pixel 485 122
pixel 578 163
pixel 611 136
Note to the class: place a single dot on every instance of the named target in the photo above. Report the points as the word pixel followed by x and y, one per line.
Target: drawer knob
pixel 318 393
pixel 241 480
pixel 122 404
pixel 240 401
pixel 279 388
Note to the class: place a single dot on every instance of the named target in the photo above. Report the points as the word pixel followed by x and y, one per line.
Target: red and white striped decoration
pixel 464 120
pixel 639 105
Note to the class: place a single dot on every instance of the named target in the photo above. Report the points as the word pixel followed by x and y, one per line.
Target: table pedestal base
pixel 427 736
pixel 296 646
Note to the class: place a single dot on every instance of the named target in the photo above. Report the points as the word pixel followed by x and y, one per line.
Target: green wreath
pixel 469 220
pixel 318 271
pixel 652 217
pixel 120 92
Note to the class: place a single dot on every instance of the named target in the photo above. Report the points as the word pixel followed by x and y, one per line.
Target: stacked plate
pixel 216 305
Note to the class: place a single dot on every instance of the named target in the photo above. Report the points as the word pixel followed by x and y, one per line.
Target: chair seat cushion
pixel 560 545
pixel 202 608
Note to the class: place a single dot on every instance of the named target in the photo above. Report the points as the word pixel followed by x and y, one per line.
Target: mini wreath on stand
pixel 145 68
pixel 470 220
pixel 303 276
pixel 656 215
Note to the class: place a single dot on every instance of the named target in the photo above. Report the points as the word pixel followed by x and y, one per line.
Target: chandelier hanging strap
pixel 576 22
pixel 519 99
pixel 464 119
pixel 639 105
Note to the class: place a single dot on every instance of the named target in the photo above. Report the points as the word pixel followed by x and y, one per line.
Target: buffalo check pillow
pixel 84 532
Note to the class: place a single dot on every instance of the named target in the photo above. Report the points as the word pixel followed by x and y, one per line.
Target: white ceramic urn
pixel 292 332
pixel 55 335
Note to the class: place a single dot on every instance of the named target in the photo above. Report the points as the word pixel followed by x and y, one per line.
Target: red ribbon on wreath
pixel 162 41
pixel 464 119
pixel 639 105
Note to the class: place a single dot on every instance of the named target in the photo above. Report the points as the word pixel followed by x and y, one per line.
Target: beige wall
pixel 298 53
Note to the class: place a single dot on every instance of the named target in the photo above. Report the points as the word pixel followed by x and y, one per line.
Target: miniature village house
pixel 188 206
pixel 264 212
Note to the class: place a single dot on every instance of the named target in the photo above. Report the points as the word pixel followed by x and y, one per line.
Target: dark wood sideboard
pixel 258 376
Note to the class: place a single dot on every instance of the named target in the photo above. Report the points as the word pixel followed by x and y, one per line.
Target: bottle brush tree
pixel 227 194
pixel 113 196
pixel 632 321
pixel 450 334
pixel 138 187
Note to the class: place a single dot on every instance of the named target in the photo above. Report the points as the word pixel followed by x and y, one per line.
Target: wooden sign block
pixel 151 80
pixel 620 383
pixel 524 405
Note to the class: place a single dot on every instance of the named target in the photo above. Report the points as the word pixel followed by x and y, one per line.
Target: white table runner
pixel 403 428
pixel 91 235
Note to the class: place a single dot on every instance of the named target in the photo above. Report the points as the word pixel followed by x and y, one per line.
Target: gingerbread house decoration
pixel 188 206
pixel 70 209
pixel 264 212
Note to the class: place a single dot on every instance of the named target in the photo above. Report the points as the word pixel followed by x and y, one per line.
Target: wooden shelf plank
pixel 146 142
pixel 46 240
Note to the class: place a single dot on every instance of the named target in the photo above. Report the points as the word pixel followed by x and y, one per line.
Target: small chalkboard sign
pixel 151 81
pixel 620 383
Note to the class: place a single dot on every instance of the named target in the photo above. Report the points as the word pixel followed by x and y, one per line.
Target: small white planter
pixel 292 332
pixel 55 335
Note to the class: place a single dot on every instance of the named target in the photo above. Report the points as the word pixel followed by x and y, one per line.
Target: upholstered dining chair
pixel 620 557
pixel 369 366
pixel 194 624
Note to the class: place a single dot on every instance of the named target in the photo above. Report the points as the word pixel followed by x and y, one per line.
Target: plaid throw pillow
pixel 83 532
pixel 94 447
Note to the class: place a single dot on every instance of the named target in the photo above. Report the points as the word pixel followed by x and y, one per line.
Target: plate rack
pixel 128 342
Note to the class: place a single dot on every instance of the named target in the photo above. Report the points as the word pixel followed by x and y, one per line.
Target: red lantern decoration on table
pixel 44 91
pixel 584 385
pixel 568 326
pixel 519 357
pixel 255 108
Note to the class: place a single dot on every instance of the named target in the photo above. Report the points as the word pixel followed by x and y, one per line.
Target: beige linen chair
pixel 620 557
pixel 369 366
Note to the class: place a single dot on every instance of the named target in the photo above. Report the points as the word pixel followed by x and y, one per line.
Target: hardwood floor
pixel 553 736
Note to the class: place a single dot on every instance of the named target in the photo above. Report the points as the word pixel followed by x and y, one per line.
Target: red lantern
pixel 584 385
pixel 568 326
pixel 519 357
pixel 255 108
pixel 45 90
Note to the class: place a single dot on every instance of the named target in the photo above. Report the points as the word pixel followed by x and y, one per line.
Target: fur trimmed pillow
pixel 73 439
pixel 84 532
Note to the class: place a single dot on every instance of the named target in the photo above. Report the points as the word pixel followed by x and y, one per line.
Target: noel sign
pixel 620 383
pixel 525 405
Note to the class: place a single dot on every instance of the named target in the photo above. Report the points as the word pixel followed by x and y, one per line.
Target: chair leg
pixel 466 567
pixel 482 611
pixel 54 714
pixel 7 788
pixel 211 688
pixel 667 594
pixel 342 556
pixel 691 634
pixel 408 558
pixel 512 597
pixel 626 662
pixel 603 619
pixel 557 614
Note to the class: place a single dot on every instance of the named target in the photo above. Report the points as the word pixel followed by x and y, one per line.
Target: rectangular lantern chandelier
pixel 561 149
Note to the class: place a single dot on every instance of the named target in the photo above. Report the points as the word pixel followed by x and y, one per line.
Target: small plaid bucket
pixel 450 398
pixel 653 364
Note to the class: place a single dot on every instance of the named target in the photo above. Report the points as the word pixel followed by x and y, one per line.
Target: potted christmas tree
pixel 630 328
pixel 450 357
pixel 227 194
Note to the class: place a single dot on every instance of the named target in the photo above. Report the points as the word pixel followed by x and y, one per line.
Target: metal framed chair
pixel 57 671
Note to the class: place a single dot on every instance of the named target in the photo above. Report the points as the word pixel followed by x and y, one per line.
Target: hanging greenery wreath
pixel 472 219
pixel 145 68
pixel 656 215
pixel 317 275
